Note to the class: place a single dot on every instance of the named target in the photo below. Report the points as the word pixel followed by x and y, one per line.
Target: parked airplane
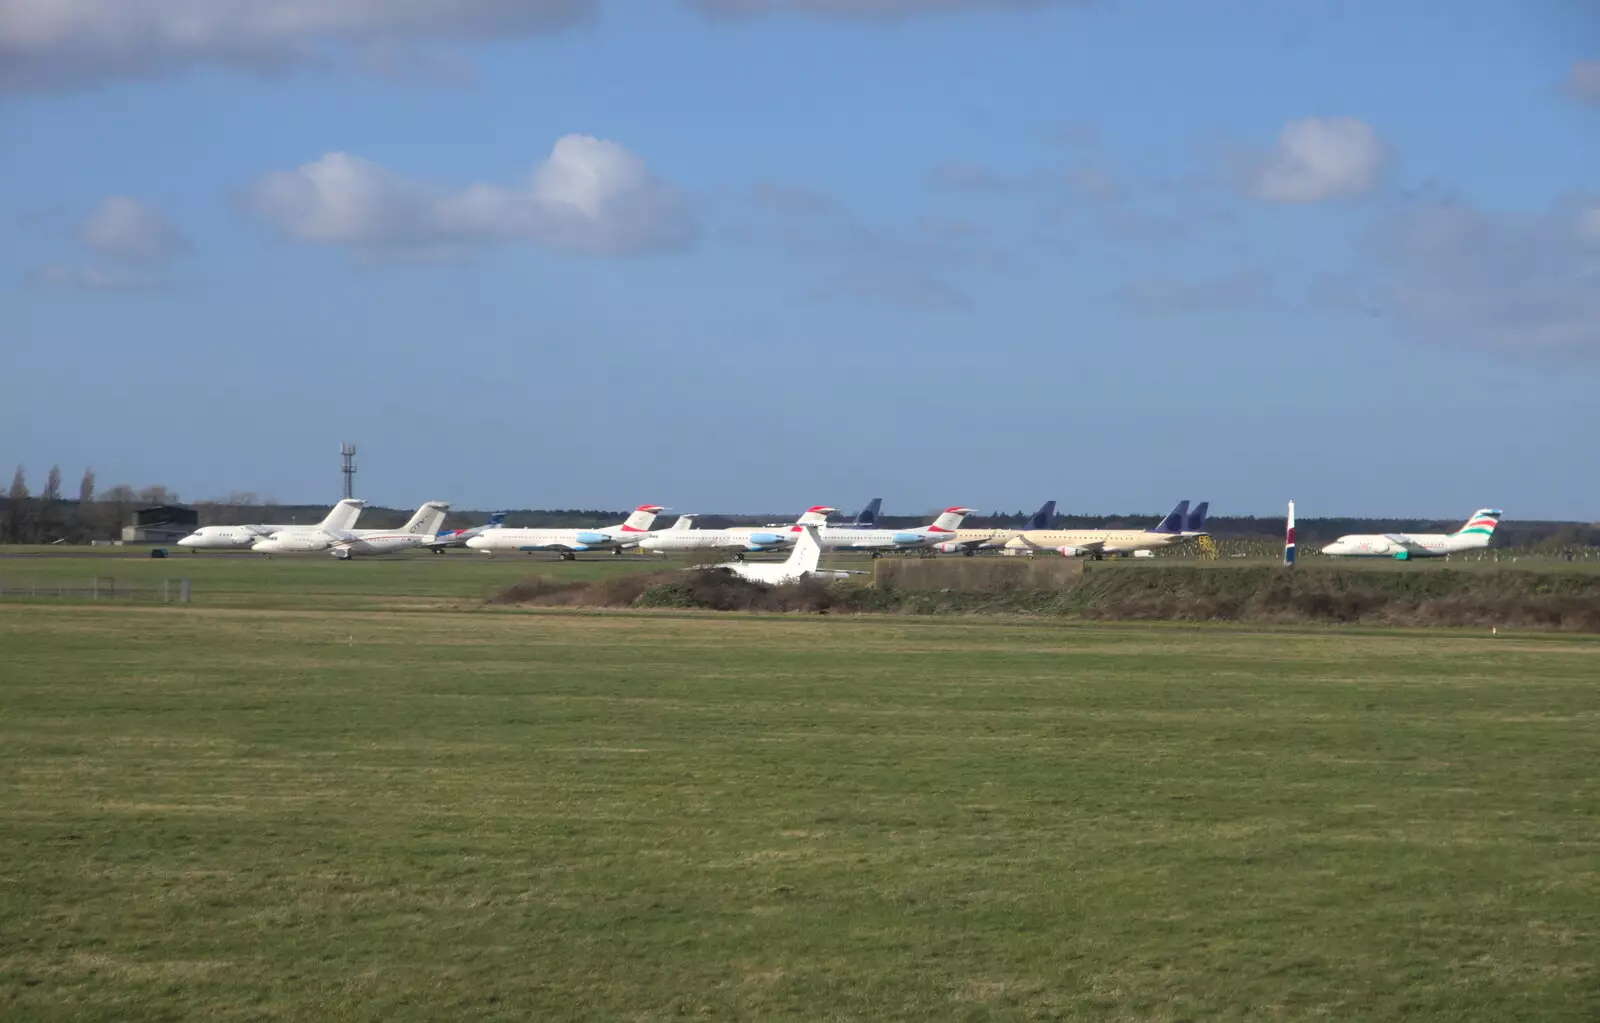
pixel 683 537
pixel 208 538
pixel 850 538
pixel 1096 543
pixel 419 532
pixel 866 518
pixel 801 563
pixel 971 541
pixel 458 537
pixel 1405 546
pixel 423 526
pixel 569 542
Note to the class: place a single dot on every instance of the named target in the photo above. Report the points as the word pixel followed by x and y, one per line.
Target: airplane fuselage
pixel 530 540
pixel 1417 545
pixel 1103 541
pixel 221 538
pixel 775 538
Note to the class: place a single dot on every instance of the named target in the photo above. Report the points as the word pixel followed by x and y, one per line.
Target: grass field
pixel 235 813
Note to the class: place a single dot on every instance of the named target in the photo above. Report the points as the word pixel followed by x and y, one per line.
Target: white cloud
pixel 64 43
pixel 127 229
pixel 1172 295
pixel 1317 159
pixel 137 235
pixel 1583 82
pixel 590 196
pixel 869 8
pixel 1455 274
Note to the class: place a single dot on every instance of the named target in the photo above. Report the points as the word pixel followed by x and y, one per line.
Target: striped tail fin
pixel 1482 523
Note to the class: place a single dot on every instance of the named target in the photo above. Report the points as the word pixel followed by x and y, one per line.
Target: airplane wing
pixel 1405 543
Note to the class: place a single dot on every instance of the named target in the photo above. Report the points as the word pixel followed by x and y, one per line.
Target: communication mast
pixel 348 453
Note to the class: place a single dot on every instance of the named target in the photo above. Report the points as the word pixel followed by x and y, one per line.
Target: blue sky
pixel 761 254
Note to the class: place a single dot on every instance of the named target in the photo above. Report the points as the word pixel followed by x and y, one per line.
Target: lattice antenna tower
pixel 347 452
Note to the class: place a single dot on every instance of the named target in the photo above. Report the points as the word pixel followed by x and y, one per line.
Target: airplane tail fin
pixel 497 520
pixel 1043 517
pixel 807 552
pixel 343 516
pixel 815 516
pixel 868 516
pixel 950 520
pixel 427 519
pixel 1196 521
pixel 684 522
pixel 1481 524
pixel 642 519
pixel 1173 523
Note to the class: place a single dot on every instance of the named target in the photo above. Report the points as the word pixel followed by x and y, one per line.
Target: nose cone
pixel 479 543
pixel 192 540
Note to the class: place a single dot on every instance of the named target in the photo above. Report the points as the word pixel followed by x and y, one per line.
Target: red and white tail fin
pixel 642 519
pixel 816 516
pixel 949 520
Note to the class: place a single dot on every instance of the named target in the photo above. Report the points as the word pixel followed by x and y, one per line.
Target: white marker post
pixel 1288 540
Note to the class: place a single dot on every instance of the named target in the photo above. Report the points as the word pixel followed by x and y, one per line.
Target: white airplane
pixel 851 538
pixel 1405 546
pixel 801 563
pixel 219 538
pixel 684 537
pixel 568 542
pixel 342 543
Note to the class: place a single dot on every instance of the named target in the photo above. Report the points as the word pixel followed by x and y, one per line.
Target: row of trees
pixel 94 515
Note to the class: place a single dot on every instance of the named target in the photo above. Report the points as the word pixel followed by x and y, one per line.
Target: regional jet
pixel 1475 535
pixel 684 537
pixel 342 543
pixel 971 541
pixel 851 538
pixel 1096 543
pixel 570 542
pixel 216 538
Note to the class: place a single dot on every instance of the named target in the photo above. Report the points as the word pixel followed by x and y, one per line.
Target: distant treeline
pixel 100 515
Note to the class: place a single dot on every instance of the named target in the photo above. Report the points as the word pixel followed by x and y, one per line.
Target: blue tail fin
pixel 869 515
pixel 496 520
pixel 1196 523
pixel 1043 517
pixel 1173 523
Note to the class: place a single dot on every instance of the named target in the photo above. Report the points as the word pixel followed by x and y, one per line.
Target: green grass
pixel 260 814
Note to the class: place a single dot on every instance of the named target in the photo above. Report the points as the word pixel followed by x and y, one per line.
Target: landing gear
pixel 568 556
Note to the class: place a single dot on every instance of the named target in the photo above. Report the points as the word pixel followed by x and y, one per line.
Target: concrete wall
pixel 979 575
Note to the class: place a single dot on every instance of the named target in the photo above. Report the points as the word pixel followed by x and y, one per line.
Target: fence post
pixel 95 588
pixel 183 591
pixel 166 591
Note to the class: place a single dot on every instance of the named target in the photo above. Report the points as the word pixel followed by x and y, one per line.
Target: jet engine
pixel 591 539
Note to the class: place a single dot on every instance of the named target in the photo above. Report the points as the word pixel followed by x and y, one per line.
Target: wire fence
pixel 95 588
